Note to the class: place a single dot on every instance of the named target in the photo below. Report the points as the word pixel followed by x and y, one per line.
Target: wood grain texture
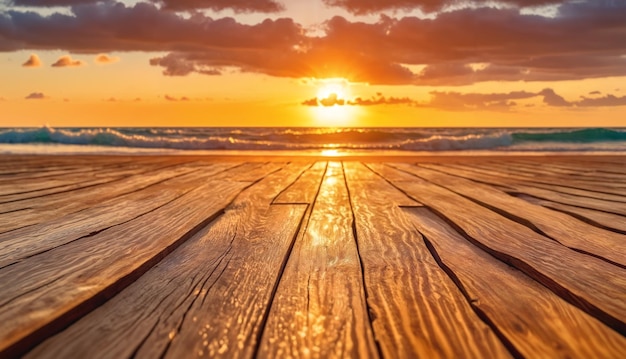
pixel 536 190
pixel 417 310
pixel 590 185
pixel 185 256
pixel 304 189
pixel 565 229
pixel 556 185
pixel 217 283
pixel 592 284
pixel 605 220
pixel 375 185
pixel 535 321
pixel 319 309
pixel 41 209
pixel 45 292
pixel 28 241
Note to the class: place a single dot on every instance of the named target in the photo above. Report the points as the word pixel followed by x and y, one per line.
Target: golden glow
pixel 330 153
pixel 335 116
pixel 333 96
pixel 330 89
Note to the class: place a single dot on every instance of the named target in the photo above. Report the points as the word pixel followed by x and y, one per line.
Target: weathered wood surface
pixel 219 283
pixel 568 231
pixel 146 256
pixel 594 285
pixel 319 309
pixel 426 316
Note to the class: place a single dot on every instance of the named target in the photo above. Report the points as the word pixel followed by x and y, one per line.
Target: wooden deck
pixel 113 257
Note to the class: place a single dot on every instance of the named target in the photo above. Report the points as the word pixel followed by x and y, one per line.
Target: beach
pixel 443 256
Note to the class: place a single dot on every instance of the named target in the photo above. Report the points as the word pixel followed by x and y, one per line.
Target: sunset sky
pixel 504 63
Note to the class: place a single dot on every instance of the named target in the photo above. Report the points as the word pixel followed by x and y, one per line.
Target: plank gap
pixel 471 301
pixel 368 308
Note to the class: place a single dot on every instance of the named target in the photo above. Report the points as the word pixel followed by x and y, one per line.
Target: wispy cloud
pixel 35 96
pixel 175 99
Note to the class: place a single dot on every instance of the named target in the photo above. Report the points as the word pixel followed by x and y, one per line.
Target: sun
pixel 330 90
pixel 334 107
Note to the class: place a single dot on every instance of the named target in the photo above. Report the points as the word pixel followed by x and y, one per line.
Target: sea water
pixel 397 141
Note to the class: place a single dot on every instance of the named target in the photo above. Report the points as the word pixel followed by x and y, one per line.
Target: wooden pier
pixel 433 257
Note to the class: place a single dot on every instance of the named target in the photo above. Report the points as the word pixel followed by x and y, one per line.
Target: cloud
pixel 265 6
pixel 373 6
pixel 583 40
pixel 104 59
pixel 606 101
pixel 181 65
pixel 457 101
pixel 552 99
pixel 33 61
pixel 172 98
pixel 67 61
pixel 379 99
pixel 505 101
pixel 35 96
pixel 595 93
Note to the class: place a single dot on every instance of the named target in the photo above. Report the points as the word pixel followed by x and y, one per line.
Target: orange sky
pixel 315 63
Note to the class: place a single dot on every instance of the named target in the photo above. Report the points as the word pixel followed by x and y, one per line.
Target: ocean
pixel 325 141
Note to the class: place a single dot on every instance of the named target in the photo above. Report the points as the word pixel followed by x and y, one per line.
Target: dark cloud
pixel 33 61
pixel 331 100
pixel 373 6
pixel 457 101
pixel 35 96
pixel 50 3
pixel 477 101
pixel 595 93
pixel 584 40
pixel 550 98
pixel 266 6
pixel 105 27
pixel 67 61
pixel 181 65
pixel 379 99
pixel 605 101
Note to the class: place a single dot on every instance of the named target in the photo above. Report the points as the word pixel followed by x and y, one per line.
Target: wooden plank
pixel 604 220
pixel 565 229
pixel 535 321
pixel 46 292
pixel 371 182
pixel 595 185
pixel 38 210
pixel 28 241
pixel 417 310
pixel 301 190
pixel 319 309
pixel 590 283
pixel 536 190
pixel 218 284
pixel 561 186
pixel 90 182
pixel 579 170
